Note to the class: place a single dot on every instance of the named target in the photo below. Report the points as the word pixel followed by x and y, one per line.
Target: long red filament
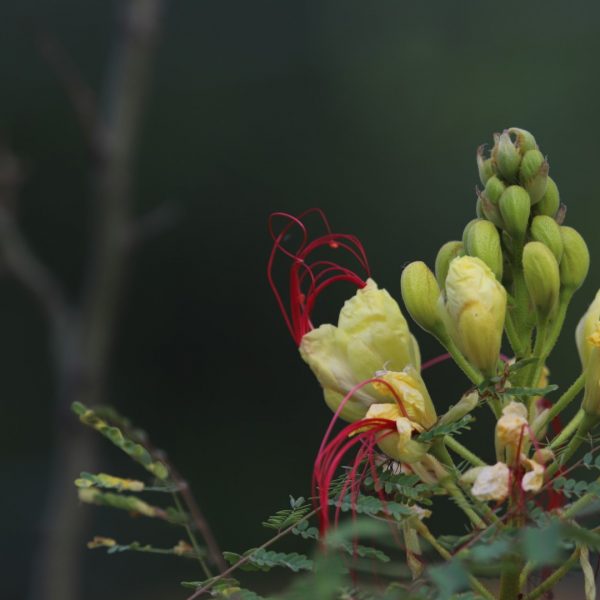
pixel 309 275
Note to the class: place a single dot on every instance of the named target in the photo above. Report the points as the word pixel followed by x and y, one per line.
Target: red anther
pixel 309 274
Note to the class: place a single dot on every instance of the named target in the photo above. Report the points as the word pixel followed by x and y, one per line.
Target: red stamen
pixel 308 276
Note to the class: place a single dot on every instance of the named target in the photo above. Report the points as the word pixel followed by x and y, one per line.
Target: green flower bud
pixel 546 230
pixel 586 326
pixel 421 294
pixel 541 278
pixel 533 174
pixel 463 407
pixel 483 241
pixel 445 255
pixel 484 165
pixel 550 202
pixel 506 157
pixel 515 207
pixel 475 308
pixel 575 261
pixel 468 226
pixel 489 211
pixel 494 189
pixel 524 140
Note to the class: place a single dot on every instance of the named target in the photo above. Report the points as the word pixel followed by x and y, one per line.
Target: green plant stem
pixel 193 539
pixel 462 503
pixel 563 402
pixel 518 346
pixel 207 587
pixel 553 579
pixel 586 424
pixel 463 364
pixel 557 322
pixel 429 537
pixel 509 582
pixel 463 452
pixel 569 429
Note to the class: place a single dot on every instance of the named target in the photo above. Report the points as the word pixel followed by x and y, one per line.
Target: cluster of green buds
pixel 517 266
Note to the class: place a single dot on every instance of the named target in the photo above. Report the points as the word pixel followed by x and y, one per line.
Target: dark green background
pixel 370 110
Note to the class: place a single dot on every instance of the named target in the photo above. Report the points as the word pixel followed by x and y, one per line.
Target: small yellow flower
pixel 510 428
pixel 533 480
pixel 591 397
pixel 398 444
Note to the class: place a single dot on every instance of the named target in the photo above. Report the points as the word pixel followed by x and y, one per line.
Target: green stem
pixel 193 539
pixel 567 431
pixel 462 503
pixel 553 579
pixel 518 346
pixel 463 452
pixel 509 582
pixel 563 402
pixel 429 537
pixel 557 322
pixel 464 365
pixel 587 423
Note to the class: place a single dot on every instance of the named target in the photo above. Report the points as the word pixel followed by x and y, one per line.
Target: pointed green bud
pixel 575 261
pixel 550 202
pixel 546 230
pixel 542 278
pixel 483 241
pixel 494 189
pixel 533 174
pixel 489 211
pixel 467 228
pixel 421 293
pixel 524 140
pixel 506 157
pixel 515 207
pixel 463 407
pixel 484 165
pixel 445 255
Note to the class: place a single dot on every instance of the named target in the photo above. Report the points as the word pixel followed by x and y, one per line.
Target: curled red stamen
pixel 310 275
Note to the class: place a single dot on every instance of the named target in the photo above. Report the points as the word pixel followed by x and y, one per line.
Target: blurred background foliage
pixel 373 112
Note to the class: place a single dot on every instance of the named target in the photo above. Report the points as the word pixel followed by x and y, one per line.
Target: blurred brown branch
pixel 82 335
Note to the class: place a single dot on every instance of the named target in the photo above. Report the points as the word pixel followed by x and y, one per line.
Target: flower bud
pixel 591 396
pixel 550 202
pixel 510 428
pixel 533 479
pixel 448 252
pixel 587 325
pixel 515 207
pixel 541 278
pixel 546 230
pixel 575 261
pixel 494 189
pixel 487 210
pixel 506 157
pixel 484 165
pixel 483 241
pixel 533 174
pixel 524 140
pixel 475 310
pixel 463 407
pixel 421 294
pixel 466 230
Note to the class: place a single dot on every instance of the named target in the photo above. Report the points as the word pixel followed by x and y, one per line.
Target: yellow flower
pixel 511 426
pixel 585 328
pixel 533 480
pixel 371 334
pixel 591 397
pixel 475 308
pixel 398 444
